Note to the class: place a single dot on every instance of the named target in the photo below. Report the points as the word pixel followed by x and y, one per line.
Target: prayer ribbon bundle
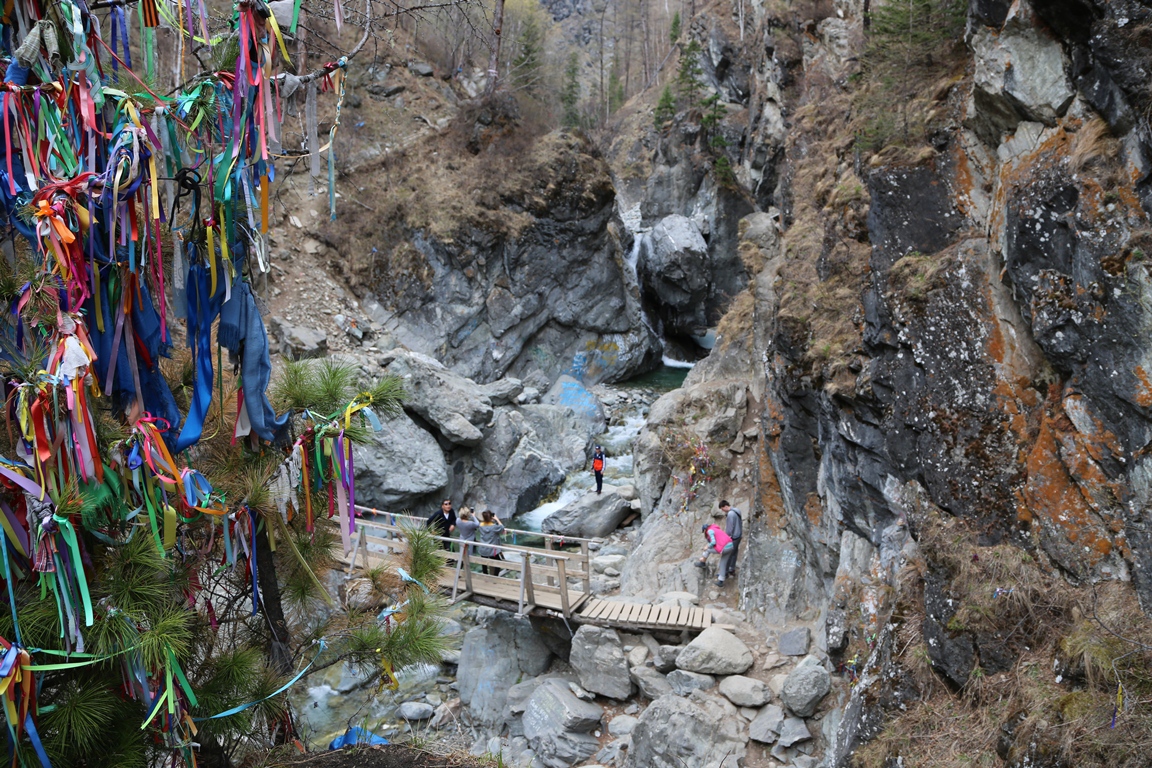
pixel 91 148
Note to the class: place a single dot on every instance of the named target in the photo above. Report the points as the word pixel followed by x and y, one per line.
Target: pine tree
pixel 674 32
pixel 527 67
pixel 570 93
pixel 688 76
pixel 665 109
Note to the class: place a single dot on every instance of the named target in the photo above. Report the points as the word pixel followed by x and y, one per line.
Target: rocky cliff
pixel 941 351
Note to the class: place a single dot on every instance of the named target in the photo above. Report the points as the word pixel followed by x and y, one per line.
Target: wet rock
pixel 501 652
pixel 715 652
pixel 590 516
pixel 795 642
pixel 401 464
pixel 674 732
pixel 599 661
pixel 683 683
pixel 767 725
pixel 558 725
pixel 805 687
pixel 745 691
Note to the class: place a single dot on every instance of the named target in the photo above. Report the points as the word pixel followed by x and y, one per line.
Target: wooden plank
pixel 628 616
pixel 615 611
pixel 707 620
pixel 659 615
pixel 673 615
pixel 595 606
pixel 644 614
pixel 692 619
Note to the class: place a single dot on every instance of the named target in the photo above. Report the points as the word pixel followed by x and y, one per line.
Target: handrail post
pixel 523 570
pixel 587 568
pixel 466 561
pixel 456 578
pixel 563 588
pixel 548 547
pixel 528 588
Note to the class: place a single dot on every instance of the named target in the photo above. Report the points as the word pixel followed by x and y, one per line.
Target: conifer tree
pixel 665 109
pixel 688 76
pixel 570 93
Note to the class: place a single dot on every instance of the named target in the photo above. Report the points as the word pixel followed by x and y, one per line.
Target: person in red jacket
pixel 598 468
pixel 720 542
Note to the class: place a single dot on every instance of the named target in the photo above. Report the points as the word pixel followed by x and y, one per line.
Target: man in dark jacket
pixel 442 522
pixel 734 527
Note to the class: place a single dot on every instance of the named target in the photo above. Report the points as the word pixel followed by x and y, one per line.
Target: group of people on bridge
pixel 486 532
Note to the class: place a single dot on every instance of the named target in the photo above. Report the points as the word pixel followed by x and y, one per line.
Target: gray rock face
pixel 665 658
pixel 767 725
pixel 557 725
pixel 298 342
pixel 1020 75
pixel 674 732
pixel 745 691
pixel 795 642
pixel 555 298
pixel 651 683
pixel 451 403
pixel 590 516
pixel 715 652
pixel 501 652
pixel 683 683
pixel 402 463
pixel 416 710
pixel 420 69
pixel 600 663
pixel 571 393
pixel 805 687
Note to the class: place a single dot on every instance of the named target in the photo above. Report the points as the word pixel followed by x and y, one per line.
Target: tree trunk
pixel 494 58
pixel 279 653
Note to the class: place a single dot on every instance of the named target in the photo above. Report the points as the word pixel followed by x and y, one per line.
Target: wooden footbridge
pixel 552 580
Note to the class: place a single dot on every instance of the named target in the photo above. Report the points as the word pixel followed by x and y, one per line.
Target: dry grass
pixel 1055 704
pixel 1093 148
pixel 736 324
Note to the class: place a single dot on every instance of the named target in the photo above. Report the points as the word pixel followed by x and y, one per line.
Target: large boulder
pixel 684 682
pixel 501 652
pixel 676 270
pixel 600 663
pixel 401 463
pixel 805 687
pixel 570 393
pixel 591 516
pixel 454 405
pixel 716 651
pixel 674 732
pixel 526 453
pixel 557 725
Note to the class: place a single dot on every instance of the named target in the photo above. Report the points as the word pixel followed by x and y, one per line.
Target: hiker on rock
pixel 598 468
pixel 466 525
pixel 442 522
pixel 720 542
pixel 734 527
pixel 489 533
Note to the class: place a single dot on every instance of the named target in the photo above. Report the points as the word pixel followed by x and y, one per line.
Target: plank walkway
pixel 534 580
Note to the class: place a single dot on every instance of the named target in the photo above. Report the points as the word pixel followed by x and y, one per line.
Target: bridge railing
pixel 540 574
